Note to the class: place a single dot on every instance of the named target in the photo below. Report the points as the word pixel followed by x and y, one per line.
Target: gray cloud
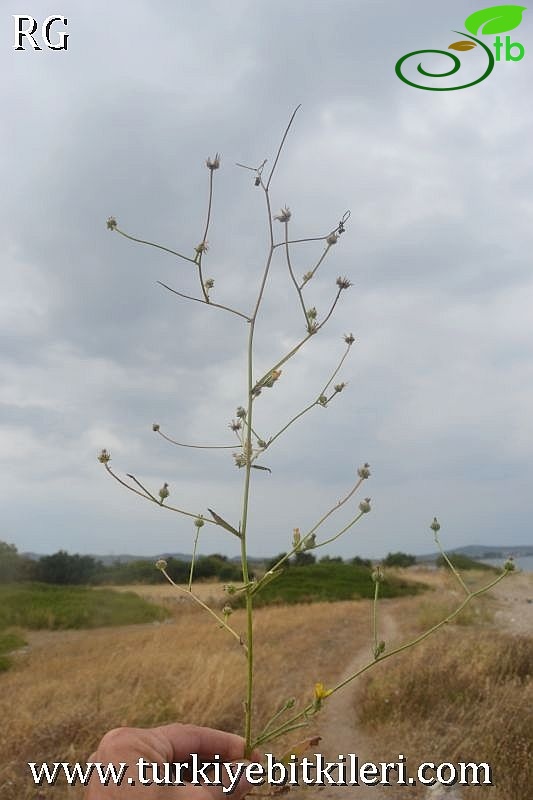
pixel 440 379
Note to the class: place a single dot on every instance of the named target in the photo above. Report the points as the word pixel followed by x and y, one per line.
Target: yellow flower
pixel 321 692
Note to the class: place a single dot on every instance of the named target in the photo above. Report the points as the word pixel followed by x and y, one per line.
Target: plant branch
pixel 151 498
pixel 197 446
pixel 221 622
pixel 199 300
pixel 280 148
pixel 153 244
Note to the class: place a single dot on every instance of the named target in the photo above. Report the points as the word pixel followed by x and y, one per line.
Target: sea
pixel 524 563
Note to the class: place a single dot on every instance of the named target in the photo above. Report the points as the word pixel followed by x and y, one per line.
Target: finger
pixel 205 742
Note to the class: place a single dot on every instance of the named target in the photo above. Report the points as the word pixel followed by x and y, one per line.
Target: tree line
pixel 66 568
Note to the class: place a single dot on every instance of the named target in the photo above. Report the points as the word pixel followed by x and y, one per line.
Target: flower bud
pixel 332 239
pixel 339 387
pixel 364 505
pixel 364 471
pixel 435 525
pixel 227 611
pixel 155 427
pixel 163 493
pixel 104 456
pixel 111 223
pixel 509 565
pixel 322 400
pixel 209 283
pixel 199 522
pixel 241 412
pixel 307 277
pixel 349 338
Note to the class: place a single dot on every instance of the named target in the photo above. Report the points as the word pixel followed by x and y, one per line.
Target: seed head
pixel 332 239
pixel 235 425
pixel 155 427
pixel 240 459
pixel 307 277
pixel 377 574
pixel 209 283
pixel 199 521
pixel 339 387
pixel 163 493
pixel 161 564
pixel 311 313
pixel 230 588
pixel 435 526
pixel 322 400
pixel 296 538
pixel 364 505
pixel 509 565
pixel 349 338
pixel 104 456
pixel 111 223
pixel 343 283
pixel 241 412
pixel 213 163
pixel 284 215
pixel 364 471
pixel 262 444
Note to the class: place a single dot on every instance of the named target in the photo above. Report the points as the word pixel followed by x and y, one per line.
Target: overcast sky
pixel 438 246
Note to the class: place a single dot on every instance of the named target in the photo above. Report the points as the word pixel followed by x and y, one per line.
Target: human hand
pixel 167 744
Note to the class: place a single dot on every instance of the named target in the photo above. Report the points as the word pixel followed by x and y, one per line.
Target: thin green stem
pixel 221 622
pixel 193 559
pixel 198 446
pixel 449 563
pixel 300 344
pixel 375 619
pixel 319 262
pixel 313 404
pixel 157 246
pixel 291 272
pixel 152 499
pixel 200 300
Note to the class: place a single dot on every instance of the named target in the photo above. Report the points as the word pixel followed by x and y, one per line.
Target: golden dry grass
pixel 71 687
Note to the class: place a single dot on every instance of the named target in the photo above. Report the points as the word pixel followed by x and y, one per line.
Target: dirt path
pixel 341 734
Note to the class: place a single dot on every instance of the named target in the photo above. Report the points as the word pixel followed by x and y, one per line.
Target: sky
pixel 439 382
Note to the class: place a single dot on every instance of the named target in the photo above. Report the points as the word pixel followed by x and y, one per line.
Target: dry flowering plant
pixel 248 451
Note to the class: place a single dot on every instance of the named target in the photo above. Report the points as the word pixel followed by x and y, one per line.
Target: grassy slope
pixel 36 606
pixel 329 582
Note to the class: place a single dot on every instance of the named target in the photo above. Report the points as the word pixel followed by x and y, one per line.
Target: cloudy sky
pixel 438 246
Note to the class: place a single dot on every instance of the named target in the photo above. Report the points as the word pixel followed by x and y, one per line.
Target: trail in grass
pixel 340 731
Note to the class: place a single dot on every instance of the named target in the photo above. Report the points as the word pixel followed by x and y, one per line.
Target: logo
pixel 487 21
pixel 22 32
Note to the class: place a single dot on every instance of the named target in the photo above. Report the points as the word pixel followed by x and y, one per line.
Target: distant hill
pixel 127 558
pixel 480 552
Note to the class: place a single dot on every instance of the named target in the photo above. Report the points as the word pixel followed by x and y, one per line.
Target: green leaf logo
pixel 496 19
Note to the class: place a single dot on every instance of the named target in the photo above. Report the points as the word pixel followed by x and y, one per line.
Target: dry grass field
pixel 468 692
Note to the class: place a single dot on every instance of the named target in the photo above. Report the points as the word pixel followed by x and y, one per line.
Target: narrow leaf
pixel 463 45
pixel 496 19
pixel 224 524
pixel 256 466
